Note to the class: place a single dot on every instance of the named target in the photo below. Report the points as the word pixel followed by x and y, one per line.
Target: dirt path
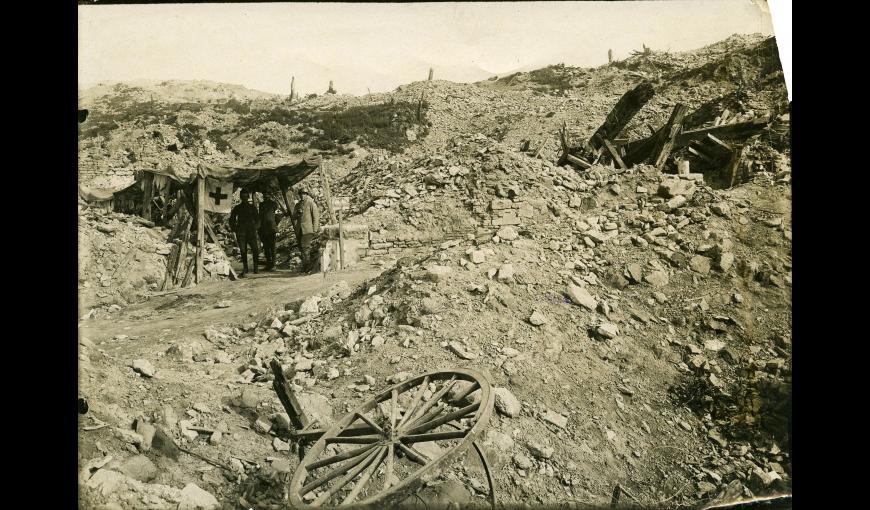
pixel 189 311
pixel 117 395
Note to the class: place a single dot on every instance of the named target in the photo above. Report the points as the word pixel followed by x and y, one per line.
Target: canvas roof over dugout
pixel 288 174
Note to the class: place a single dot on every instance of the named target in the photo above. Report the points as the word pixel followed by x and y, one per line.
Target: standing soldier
pixel 245 222
pixel 268 227
pixel 307 217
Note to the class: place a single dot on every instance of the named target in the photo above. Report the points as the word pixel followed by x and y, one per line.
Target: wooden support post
pixel 200 226
pixel 668 136
pixel 614 153
pixel 327 193
pixel 148 183
pixel 284 197
pixel 733 168
pixel 340 242
pixel 431 73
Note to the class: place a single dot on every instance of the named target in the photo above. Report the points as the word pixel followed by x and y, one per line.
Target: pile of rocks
pixel 122 258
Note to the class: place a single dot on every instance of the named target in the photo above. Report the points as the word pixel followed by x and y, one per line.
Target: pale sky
pixel 380 46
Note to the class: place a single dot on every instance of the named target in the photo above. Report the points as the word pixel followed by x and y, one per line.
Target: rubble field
pixel 636 323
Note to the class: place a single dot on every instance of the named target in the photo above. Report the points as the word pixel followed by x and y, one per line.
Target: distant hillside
pixel 171 91
pixel 149 124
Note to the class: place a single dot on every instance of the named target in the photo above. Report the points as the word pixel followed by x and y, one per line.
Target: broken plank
pixel 718 145
pixel 701 155
pixel 614 153
pixel 182 256
pixel 188 276
pixel 171 264
pixel 738 130
pixel 665 144
pixel 623 111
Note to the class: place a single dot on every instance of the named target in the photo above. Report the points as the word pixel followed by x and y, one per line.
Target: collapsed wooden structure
pixel 706 145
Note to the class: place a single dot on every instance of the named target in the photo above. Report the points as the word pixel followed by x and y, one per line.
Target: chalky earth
pixel 634 323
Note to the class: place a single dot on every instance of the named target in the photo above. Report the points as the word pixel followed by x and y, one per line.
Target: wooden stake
pixel 734 165
pixel 200 225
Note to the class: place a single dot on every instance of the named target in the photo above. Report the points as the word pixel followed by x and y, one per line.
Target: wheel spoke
pixel 340 457
pixel 429 425
pixel 394 409
pixel 388 476
pixel 435 399
pixel 414 454
pixel 415 402
pixel 348 477
pixel 371 424
pixel 366 476
pixel 435 436
pixel 354 439
pixel 468 391
pixel 334 473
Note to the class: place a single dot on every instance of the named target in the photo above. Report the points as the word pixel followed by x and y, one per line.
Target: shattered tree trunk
pixel 625 109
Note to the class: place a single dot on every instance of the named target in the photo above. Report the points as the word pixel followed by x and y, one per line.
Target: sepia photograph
pixel 432 255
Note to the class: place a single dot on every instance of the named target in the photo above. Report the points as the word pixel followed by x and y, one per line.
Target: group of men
pixel 253 226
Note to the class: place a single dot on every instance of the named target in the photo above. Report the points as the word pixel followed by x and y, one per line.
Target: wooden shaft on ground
pixel 287 397
pixel 200 225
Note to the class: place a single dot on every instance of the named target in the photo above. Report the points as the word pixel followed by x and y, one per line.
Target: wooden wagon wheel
pixel 414 428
